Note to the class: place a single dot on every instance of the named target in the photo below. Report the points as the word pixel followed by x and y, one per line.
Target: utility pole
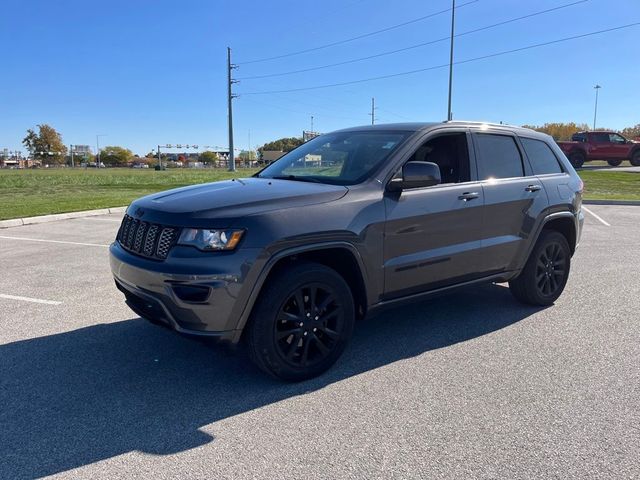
pixel 311 123
pixel 453 24
pixel 595 111
pixel 159 158
pixel 71 153
pixel 373 111
pixel 230 96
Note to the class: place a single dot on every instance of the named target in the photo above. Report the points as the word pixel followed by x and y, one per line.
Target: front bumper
pixel 191 294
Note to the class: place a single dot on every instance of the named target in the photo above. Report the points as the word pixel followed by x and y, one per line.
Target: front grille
pixel 146 239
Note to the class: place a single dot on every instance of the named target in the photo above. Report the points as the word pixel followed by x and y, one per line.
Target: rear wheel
pixel 301 323
pixel 635 158
pixel 546 272
pixel 577 159
pixel 614 163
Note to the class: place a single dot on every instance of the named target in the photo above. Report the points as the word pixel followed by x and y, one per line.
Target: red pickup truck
pixel 601 145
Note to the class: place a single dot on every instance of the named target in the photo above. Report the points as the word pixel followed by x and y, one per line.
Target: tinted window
pixel 450 153
pixel 579 137
pixel 600 137
pixel 499 157
pixel 542 158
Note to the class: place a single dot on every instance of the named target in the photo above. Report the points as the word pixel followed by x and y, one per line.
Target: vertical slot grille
pixel 146 239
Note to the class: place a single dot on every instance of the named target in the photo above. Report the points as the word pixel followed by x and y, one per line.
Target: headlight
pixel 210 240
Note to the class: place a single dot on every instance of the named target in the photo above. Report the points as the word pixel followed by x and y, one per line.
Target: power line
pixel 411 47
pixel 347 40
pixel 287 109
pixel 435 67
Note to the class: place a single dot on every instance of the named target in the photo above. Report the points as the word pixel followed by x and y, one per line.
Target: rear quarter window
pixel 541 157
pixel 499 157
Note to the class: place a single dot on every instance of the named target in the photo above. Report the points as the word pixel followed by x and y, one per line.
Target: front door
pixel 433 234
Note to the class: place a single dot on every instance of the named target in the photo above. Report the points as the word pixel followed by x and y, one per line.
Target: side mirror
pixel 416 175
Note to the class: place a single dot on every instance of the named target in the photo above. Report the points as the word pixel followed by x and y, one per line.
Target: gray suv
pixel 345 224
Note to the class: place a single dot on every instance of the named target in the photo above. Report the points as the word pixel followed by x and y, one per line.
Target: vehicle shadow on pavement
pixel 75 398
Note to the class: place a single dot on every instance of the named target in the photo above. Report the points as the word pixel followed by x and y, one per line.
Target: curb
pixel 17 222
pixel 611 202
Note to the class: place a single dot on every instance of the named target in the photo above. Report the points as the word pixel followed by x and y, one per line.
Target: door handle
pixel 532 188
pixel 466 196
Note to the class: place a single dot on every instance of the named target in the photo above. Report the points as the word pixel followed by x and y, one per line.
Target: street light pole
pixel 98 149
pixel 453 24
pixel 595 111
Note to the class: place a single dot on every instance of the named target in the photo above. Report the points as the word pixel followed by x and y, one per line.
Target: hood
pixel 231 199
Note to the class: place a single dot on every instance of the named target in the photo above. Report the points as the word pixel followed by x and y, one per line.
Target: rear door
pixel 433 234
pixel 513 197
pixel 601 147
pixel 549 170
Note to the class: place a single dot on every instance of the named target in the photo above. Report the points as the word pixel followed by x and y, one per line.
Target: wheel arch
pixel 343 257
pixel 563 222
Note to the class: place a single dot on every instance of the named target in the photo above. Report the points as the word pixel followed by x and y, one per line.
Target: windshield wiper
pixel 296 178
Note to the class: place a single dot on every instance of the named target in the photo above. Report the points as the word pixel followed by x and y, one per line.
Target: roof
pixel 419 126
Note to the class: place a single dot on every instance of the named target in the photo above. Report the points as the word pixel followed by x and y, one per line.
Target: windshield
pixel 342 158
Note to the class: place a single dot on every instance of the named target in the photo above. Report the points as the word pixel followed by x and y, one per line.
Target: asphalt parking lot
pixel 468 385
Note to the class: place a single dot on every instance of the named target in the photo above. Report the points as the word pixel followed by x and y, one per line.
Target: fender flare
pixel 288 252
pixel 546 219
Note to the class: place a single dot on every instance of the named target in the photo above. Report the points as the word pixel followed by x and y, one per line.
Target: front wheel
pixel 302 322
pixel 614 163
pixel 546 272
pixel 635 159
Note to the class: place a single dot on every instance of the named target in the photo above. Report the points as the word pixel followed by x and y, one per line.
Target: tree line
pixel 46 145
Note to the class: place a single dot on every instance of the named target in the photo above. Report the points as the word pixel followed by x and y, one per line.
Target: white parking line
pixel 596 216
pixel 29 299
pixel 53 241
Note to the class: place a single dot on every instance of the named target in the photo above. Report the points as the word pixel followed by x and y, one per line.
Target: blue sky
pixel 144 72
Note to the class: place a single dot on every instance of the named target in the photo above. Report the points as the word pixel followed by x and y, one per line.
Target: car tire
pixel 614 163
pixel 577 159
pixel 635 158
pixel 301 322
pixel 546 272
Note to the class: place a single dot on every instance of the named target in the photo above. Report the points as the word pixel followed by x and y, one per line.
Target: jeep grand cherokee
pixel 345 224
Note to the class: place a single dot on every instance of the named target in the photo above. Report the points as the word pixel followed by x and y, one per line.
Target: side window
pixel 542 158
pixel 615 138
pixel 499 157
pixel 600 137
pixel 579 137
pixel 450 152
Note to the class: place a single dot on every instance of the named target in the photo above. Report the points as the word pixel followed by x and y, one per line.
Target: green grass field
pixel 25 193
pixel 606 185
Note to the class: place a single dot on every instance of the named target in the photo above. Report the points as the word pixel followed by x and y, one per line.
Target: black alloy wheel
pixel 309 325
pixel 546 272
pixel 301 322
pixel 550 269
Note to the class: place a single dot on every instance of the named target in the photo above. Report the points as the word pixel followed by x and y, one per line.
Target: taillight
pixel 580 185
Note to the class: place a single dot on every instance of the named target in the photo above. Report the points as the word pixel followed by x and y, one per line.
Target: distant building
pixel 269 156
pixel 307 135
